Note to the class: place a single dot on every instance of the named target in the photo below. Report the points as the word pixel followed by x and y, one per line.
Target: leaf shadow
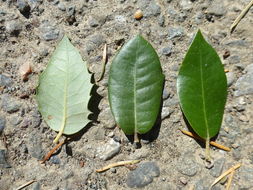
pixel 93 107
pixel 188 125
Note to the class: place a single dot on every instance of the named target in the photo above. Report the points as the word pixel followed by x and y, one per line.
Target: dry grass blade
pixel 116 164
pixel 211 142
pixel 230 180
pixel 241 15
pixel 104 60
pixel 233 168
pixel 25 185
pixel 52 151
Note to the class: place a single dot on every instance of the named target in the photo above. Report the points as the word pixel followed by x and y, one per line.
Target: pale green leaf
pixel 64 90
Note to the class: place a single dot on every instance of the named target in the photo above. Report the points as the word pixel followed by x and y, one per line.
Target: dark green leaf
pixel 64 90
pixel 135 86
pixel 202 88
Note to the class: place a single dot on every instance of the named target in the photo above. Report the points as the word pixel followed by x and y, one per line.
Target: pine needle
pixel 241 15
pixel 116 164
pixel 203 140
pixel 25 185
pixel 233 168
pixel 230 180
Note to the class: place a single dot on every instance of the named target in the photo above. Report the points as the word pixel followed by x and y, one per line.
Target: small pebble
pixel 13 27
pixel 2 124
pixel 24 70
pixel 108 150
pixel 143 175
pixel 138 15
pixel 3 162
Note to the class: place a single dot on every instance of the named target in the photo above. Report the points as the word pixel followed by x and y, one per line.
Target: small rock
pixel 106 118
pixel 36 186
pixel 246 177
pixel 2 124
pixel 9 104
pixel 218 167
pixel 166 111
pixel 3 162
pixel 167 50
pixel 55 159
pixel 166 94
pixel 24 8
pixel 49 32
pixel 24 70
pixel 183 180
pixel 241 42
pixel 15 120
pixel 216 8
pixel 61 6
pixel 108 150
pixel 187 165
pixel 93 22
pixel 13 27
pixel 161 20
pixel 230 78
pixel 71 10
pixel 138 15
pixel 171 102
pixel 235 59
pixel 175 32
pixel 186 4
pixel 142 175
pixel 150 8
pixel 113 170
pixel 244 85
pixel 5 81
pixel 97 39
pixel 99 133
pixel 140 153
pixel 34 145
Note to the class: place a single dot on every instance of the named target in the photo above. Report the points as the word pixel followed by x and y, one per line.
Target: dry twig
pixel 211 142
pixel 230 170
pixel 116 164
pixel 241 15
pixel 52 151
pixel 25 185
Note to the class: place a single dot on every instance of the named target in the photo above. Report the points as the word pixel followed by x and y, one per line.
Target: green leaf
pixel 135 86
pixel 202 88
pixel 64 90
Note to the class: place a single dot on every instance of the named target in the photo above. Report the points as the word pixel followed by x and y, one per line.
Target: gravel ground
pixel 29 32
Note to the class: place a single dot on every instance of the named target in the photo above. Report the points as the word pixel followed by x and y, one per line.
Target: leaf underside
pixel 135 86
pixel 64 90
pixel 202 88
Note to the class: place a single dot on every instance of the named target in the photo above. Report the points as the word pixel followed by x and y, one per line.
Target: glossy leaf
pixel 64 90
pixel 202 88
pixel 135 86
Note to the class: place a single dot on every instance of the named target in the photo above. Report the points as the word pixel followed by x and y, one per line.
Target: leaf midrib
pixel 135 112
pixel 203 93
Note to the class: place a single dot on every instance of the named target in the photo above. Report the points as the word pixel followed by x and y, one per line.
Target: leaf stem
pixel 208 156
pixel 56 140
pixel 136 138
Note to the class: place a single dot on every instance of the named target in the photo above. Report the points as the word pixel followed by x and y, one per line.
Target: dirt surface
pixel 29 33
